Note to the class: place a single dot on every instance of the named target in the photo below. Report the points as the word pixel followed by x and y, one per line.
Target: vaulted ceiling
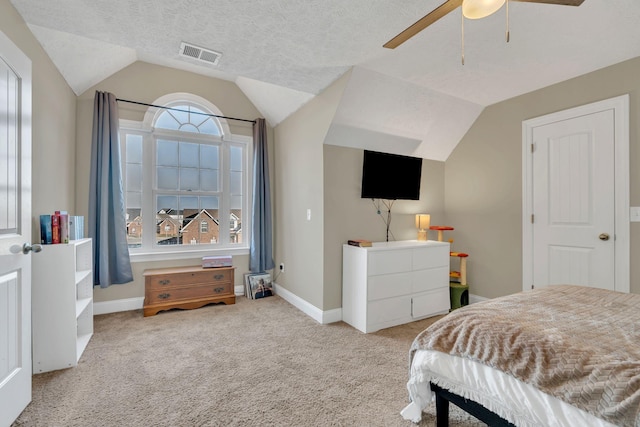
pixel 282 53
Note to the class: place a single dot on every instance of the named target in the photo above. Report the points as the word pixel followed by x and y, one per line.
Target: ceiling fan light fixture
pixel 476 9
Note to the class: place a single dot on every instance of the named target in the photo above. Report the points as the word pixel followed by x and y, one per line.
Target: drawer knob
pixel 164 296
pixel 218 276
pixel 218 290
pixel 164 282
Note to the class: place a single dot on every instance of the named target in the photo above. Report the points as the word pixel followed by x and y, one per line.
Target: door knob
pixel 603 236
pixel 26 248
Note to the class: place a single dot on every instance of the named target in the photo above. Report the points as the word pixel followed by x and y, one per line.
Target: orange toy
pixel 440 229
pixel 459 275
pixel 462 274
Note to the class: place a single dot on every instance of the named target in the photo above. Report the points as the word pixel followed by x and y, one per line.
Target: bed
pixel 561 355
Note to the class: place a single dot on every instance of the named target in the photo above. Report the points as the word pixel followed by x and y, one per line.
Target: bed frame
pixel 443 397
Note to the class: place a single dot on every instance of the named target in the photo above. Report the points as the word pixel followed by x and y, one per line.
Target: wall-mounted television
pixel 390 176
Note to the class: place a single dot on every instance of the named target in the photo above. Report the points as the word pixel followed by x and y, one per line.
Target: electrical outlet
pixel 282 267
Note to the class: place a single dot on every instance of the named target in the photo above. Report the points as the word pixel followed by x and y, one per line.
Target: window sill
pixel 192 254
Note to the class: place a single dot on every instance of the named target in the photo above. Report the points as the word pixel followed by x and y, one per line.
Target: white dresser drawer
pixel 387 310
pixel 427 280
pixel 389 285
pixel 428 303
pixel 388 262
pixel 430 257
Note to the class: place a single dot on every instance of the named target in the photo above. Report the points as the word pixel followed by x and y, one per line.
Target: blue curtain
pixel 107 216
pixel 261 251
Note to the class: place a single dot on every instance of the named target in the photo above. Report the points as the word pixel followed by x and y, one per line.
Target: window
pixel 186 179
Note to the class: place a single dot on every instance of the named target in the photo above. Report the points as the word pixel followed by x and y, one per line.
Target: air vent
pixel 198 53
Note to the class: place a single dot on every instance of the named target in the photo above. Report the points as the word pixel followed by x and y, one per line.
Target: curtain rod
pixel 183 111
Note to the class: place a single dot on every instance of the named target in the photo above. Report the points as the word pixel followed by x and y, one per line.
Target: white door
pixel 573 206
pixel 15 231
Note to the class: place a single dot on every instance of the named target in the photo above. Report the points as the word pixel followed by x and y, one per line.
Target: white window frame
pixel 149 251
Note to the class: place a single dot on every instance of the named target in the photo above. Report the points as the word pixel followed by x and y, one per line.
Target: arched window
pixel 187 118
pixel 182 165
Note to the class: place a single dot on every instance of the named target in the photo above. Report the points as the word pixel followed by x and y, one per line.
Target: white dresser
pixel 392 283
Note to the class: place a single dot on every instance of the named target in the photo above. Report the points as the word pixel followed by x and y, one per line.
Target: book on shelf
pixel 55 228
pixel 61 228
pixel 76 227
pixel 45 230
pixel 360 242
pixel 64 226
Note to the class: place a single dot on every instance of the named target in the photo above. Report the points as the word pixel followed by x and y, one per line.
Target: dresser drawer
pixel 162 281
pixel 389 285
pixel 188 292
pixel 187 288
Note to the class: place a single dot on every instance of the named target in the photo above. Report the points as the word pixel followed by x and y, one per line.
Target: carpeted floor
pixel 255 363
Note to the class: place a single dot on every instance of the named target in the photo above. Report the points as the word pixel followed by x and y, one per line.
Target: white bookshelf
pixel 62 304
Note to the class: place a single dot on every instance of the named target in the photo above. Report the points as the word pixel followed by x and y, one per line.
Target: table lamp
pixel 422 224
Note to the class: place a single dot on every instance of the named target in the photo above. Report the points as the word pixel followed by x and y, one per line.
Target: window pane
pixel 134 227
pixel 208 180
pixel 134 148
pixel 167 153
pixel 209 203
pixel 236 158
pixel 236 203
pixel 189 180
pixel 189 203
pixel 167 178
pixel 209 128
pixel 209 157
pixel 134 200
pixel 235 224
pixel 188 127
pixel 167 203
pixel 134 177
pixel 189 153
pixel 181 116
pixel 168 221
pixel 235 183
pixel 167 121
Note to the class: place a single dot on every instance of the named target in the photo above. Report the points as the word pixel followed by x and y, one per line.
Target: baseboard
pixel 322 317
pixel 115 306
pixel 238 290
pixel 476 298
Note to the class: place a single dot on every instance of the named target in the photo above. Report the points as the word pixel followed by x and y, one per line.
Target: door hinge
pixel 532 219
pixel 533 147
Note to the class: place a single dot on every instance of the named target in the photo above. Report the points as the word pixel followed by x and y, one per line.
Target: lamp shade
pixel 476 9
pixel 423 221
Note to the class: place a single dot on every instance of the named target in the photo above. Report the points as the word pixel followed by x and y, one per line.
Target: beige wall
pixel 298 187
pixel 145 82
pixel 347 216
pixel 53 123
pixel 483 176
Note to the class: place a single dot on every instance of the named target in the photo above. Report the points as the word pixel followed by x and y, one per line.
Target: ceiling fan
pixel 472 9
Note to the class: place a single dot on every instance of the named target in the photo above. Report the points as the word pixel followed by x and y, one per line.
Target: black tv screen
pixel 390 176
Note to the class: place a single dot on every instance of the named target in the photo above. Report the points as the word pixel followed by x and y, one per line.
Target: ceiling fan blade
pixel 424 22
pixel 558 2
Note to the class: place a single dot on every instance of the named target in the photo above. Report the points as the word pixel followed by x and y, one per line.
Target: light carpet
pixel 255 363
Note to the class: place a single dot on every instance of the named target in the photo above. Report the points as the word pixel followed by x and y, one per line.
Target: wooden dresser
pixel 186 288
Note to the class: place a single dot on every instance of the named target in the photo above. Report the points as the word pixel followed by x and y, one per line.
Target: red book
pixel 55 227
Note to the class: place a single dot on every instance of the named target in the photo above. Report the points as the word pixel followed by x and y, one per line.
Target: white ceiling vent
pixel 198 53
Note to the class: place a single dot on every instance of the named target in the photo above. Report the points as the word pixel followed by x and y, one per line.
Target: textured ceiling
pixel 282 53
